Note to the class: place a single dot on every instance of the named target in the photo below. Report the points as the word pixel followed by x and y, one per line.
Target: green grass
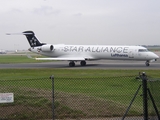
pixel 104 84
pixel 18 58
pixel 70 73
pixel 101 84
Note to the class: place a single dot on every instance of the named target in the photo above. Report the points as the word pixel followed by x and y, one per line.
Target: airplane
pixel 83 53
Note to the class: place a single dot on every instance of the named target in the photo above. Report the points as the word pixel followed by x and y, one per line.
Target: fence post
pixel 145 97
pixel 53 114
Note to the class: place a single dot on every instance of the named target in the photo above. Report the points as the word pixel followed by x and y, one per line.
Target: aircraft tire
pixel 147 63
pixel 71 64
pixel 83 63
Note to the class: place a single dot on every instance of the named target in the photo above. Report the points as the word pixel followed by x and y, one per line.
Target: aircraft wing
pixel 63 59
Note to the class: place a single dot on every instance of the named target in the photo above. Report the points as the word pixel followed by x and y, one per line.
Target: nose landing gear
pixel 147 63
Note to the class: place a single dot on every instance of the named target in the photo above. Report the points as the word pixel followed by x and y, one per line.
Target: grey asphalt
pixel 101 64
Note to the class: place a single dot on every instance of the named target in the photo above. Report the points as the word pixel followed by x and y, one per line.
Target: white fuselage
pixel 96 52
pixel 82 53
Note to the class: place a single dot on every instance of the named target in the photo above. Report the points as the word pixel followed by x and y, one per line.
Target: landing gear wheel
pixel 147 63
pixel 71 64
pixel 83 63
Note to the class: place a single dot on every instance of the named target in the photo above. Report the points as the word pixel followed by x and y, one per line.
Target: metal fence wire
pixel 110 98
pixel 32 99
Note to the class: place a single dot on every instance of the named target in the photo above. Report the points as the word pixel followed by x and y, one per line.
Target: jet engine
pixel 46 48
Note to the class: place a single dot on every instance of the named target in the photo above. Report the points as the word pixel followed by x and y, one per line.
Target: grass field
pixel 18 58
pixel 89 82
pixel 101 85
pixel 71 73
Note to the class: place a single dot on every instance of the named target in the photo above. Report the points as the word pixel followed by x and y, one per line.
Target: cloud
pixel 46 10
pixel 77 14
pixel 81 21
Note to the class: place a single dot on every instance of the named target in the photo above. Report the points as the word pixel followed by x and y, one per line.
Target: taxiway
pixel 101 64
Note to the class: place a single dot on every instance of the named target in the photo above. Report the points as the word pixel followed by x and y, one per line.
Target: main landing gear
pixel 147 63
pixel 72 63
pixel 83 63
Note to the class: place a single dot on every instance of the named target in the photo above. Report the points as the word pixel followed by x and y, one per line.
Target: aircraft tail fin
pixel 33 41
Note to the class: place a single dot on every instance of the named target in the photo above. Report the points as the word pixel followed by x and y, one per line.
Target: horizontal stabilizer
pixel 19 33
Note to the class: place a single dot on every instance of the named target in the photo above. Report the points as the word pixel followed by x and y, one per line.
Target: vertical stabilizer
pixel 33 41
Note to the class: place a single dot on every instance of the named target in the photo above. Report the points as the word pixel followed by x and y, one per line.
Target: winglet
pixel 30 57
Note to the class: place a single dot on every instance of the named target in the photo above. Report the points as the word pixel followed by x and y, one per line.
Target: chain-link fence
pixel 77 98
pixel 32 99
pixel 153 97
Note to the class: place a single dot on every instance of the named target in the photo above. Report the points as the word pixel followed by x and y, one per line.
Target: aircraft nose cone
pixel 152 56
pixel 155 56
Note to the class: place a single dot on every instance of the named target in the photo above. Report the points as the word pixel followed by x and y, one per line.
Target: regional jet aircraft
pixel 83 53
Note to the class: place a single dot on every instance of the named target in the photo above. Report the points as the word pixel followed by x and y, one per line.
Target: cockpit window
pixel 142 50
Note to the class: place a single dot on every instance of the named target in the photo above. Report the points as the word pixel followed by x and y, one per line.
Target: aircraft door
pixel 131 53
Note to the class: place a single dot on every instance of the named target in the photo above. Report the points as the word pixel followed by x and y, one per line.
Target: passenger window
pixel 142 50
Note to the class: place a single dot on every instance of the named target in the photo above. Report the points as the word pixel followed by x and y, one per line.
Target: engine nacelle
pixel 46 48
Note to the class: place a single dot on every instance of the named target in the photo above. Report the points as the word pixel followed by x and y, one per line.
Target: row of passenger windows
pixel 142 50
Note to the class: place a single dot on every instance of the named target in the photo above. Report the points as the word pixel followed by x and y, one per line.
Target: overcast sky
pixel 98 22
